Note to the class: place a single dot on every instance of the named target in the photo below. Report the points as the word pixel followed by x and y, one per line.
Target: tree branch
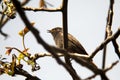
pixel 108 31
pixel 1 26
pixel 107 69
pixel 3 21
pixel 116 47
pixel 41 9
pixel 39 55
pixel 22 72
pixel 35 32
pixel 101 46
pixel 113 64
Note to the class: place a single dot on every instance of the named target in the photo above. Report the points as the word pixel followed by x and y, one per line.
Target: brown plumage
pixel 74 45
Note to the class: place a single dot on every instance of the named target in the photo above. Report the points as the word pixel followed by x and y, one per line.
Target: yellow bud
pixel 21 33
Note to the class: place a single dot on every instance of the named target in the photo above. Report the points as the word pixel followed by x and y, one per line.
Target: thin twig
pixel 3 21
pixel 22 72
pixel 113 64
pixel 108 31
pixel 107 69
pixel 1 26
pixel 90 77
pixel 41 9
pixel 91 66
pixel 116 47
pixel 23 41
pixel 39 55
pixel 26 55
pixel 101 46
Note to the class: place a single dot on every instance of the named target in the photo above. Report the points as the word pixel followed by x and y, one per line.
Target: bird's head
pixel 55 30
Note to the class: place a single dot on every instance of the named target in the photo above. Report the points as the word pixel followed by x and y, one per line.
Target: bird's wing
pixel 76 46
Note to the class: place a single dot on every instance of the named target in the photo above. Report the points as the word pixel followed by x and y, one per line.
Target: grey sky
pixel 86 21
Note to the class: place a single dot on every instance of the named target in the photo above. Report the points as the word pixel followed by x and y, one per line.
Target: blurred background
pixel 86 21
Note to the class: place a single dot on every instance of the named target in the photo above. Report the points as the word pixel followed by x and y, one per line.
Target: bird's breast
pixel 59 40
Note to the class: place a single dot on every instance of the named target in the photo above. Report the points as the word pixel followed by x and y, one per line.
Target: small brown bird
pixel 74 45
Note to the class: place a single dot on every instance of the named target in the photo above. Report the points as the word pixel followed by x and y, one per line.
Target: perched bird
pixel 74 45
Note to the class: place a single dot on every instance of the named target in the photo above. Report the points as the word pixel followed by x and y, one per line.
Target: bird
pixel 74 46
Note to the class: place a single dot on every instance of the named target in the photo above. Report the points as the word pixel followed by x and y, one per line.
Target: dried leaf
pixel 25 30
pixel 26 50
pixel 8 50
pixel 42 4
pixel 7 47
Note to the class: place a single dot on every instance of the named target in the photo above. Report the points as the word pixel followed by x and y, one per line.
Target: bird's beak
pixel 48 31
